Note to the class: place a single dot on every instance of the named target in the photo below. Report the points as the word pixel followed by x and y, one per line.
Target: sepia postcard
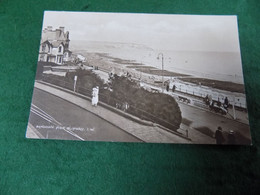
pixel 123 77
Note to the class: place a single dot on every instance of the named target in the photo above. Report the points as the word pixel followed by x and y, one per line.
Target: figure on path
pixel 167 87
pixel 226 103
pixel 173 88
pixel 219 136
pixel 95 92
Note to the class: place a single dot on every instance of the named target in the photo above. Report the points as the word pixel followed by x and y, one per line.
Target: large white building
pixel 54 46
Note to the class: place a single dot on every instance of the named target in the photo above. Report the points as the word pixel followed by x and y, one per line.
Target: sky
pixel 158 31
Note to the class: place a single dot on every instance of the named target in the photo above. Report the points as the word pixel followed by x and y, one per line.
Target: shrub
pixel 156 107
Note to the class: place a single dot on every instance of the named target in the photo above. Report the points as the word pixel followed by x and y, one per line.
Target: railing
pixel 238 101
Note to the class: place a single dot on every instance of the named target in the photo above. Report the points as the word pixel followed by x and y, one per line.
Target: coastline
pixel 109 63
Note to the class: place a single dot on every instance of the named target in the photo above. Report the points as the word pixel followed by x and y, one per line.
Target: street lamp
pixel 158 57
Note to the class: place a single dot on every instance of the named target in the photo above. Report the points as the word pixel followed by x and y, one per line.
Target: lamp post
pixel 158 57
pixel 233 107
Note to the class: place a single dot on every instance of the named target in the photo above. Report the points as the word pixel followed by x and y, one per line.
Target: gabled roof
pixel 53 43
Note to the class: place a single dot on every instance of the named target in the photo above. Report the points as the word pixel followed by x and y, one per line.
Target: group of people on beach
pixel 220 139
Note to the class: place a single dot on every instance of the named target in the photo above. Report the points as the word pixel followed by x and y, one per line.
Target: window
pixel 42 57
pixel 60 49
pixel 43 47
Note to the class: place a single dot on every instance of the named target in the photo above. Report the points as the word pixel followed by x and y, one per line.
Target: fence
pixel 238 99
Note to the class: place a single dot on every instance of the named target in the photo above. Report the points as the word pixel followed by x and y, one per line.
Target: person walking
pixel 173 88
pixel 95 92
pixel 219 136
pixel 167 87
pixel 226 103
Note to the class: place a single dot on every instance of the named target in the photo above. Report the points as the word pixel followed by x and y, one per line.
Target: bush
pixel 156 107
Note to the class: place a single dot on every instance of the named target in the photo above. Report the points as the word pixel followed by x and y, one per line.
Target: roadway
pixel 208 121
pixel 56 118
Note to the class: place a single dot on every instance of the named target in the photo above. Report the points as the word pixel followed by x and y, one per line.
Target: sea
pixel 224 66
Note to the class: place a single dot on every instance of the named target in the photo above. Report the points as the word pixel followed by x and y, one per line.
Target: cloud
pixel 161 31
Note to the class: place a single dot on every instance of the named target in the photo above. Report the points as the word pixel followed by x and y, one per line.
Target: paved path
pixel 146 133
pixel 56 118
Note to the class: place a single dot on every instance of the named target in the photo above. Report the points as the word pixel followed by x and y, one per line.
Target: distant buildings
pixel 54 46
